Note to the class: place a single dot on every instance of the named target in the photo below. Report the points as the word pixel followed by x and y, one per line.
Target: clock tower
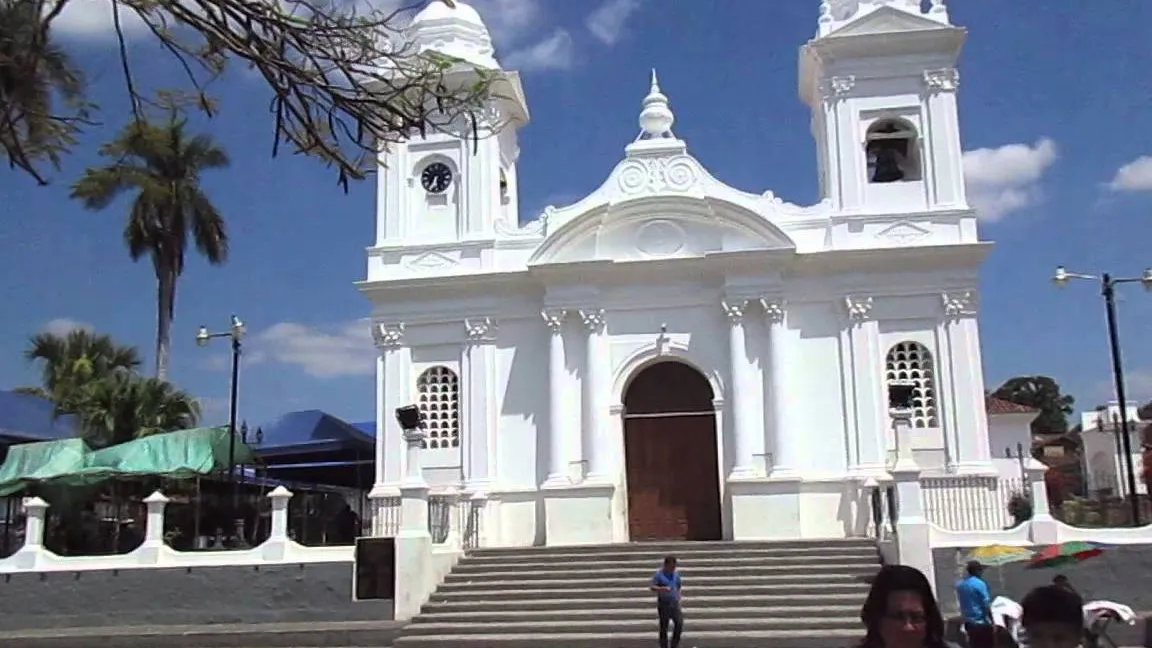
pixel 454 184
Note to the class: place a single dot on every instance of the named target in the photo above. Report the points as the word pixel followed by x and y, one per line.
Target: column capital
pixel 859 309
pixel 773 309
pixel 960 303
pixel 593 319
pixel 554 318
pixel 734 309
pixel 388 336
pixel 482 329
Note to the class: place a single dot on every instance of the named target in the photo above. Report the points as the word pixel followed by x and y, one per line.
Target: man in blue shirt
pixel 666 584
pixel 976 607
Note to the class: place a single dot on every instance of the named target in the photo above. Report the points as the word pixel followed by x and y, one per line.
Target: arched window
pixel 893 151
pixel 438 390
pixel 910 363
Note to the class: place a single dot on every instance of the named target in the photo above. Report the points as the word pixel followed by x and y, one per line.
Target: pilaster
pixel 867 387
pixel 747 395
pixel 594 392
pixel 785 454
pixel 393 390
pixel 560 450
pixel 967 376
pixel 478 365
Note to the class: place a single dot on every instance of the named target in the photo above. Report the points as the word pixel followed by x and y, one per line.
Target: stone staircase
pixel 736 595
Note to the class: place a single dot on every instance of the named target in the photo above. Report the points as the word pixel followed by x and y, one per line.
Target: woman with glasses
pixel 901 612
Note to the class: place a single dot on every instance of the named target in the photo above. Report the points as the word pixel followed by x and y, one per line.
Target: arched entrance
pixel 670 455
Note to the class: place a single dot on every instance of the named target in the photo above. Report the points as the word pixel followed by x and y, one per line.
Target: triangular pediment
pixel 886 20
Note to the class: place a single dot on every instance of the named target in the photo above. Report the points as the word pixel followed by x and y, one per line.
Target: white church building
pixel 671 357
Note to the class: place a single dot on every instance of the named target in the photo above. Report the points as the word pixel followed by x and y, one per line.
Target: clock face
pixel 436 177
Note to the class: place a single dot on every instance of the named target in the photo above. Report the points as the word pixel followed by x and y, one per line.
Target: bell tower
pixel 454 184
pixel 880 79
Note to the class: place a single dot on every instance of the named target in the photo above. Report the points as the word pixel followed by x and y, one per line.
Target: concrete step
pixel 616 579
pixel 536 590
pixel 595 626
pixel 573 553
pixel 647 639
pixel 689 571
pixel 640 612
pixel 686 548
pixel 346 634
pixel 585 601
pixel 832 562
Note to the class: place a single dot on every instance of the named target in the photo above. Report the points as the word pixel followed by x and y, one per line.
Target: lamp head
pixel 237 328
pixel 1146 279
pixel 409 417
pixel 203 336
pixel 1060 277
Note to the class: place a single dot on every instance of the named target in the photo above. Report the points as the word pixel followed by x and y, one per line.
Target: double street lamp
pixel 1108 285
pixel 235 332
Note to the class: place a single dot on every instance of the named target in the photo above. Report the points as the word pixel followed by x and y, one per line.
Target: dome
pixel 437 10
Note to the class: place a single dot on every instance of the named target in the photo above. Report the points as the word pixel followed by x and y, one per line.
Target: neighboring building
pixel 1105 471
pixel 671 357
pixel 1009 435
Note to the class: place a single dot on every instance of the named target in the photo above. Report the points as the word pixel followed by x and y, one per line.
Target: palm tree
pixel 36 76
pixel 126 406
pixel 70 362
pixel 162 164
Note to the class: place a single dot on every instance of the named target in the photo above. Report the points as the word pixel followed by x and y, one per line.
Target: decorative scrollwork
pixel 678 174
pixel 859 308
pixel 388 336
pixel 593 319
pixel 734 310
pixel 554 318
pixel 959 304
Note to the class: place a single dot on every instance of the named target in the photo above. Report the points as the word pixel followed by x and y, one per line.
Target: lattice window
pixel 911 362
pixel 439 391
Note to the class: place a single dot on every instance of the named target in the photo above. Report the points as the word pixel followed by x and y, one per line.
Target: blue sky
pixel 1055 118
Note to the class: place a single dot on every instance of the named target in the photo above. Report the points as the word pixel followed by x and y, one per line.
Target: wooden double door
pixel 670 456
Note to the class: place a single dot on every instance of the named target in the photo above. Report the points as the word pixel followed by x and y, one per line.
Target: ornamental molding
pixel 942 80
pixel 859 309
pixel 593 319
pixel 554 318
pixel 837 87
pixel 773 310
pixel 960 303
pixel 480 329
pixel 388 336
pixel 648 176
pixel 734 310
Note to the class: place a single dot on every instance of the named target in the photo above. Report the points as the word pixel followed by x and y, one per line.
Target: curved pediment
pixel 660 227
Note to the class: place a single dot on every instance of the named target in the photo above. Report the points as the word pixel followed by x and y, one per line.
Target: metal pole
pixel 232 405
pixel 1108 289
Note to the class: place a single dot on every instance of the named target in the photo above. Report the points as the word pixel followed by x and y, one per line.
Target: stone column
pixel 415 577
pixel 972 453
pixel 869 398
pixel 594 410
pixel 785 461
pixel 913 534
pixel 479 437
pixel 557 424
pixel 747 417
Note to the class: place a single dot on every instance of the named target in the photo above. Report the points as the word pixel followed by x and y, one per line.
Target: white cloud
pixel 608 22
pixel 1134 176
pixel 1005 179
pixel 90 19
pixel 64 326
pixel 321 352
pixel 556 52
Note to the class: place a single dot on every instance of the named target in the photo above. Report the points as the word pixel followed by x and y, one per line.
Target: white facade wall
pixel 798 316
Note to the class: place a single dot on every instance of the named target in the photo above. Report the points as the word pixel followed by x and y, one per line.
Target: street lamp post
pixel 235 332
pixel 1108 285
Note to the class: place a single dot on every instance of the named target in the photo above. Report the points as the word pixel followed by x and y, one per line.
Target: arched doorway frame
pixel 636 362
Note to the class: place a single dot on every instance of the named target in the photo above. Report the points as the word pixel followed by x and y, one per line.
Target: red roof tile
pixel 1000 406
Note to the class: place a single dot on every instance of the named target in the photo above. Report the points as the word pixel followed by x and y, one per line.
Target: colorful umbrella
pixel 996 555
pixel 1065 553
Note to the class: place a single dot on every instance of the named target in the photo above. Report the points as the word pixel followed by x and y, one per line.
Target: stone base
pixel 792 508
pixel 415 576
pixel 578 514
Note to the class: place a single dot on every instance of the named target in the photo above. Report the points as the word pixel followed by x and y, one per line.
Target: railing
pixel 970 503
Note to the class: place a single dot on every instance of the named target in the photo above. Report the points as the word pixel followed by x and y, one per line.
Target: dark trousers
pixel 980 636
pixel 670 612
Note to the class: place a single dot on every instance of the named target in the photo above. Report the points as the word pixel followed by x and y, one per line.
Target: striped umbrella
pixel 997 554
pixel 1065 553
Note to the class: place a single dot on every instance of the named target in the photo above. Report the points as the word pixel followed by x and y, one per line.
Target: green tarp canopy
pixel 70 462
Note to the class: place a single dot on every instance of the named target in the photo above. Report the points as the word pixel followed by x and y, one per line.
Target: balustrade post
pixel 154 522
pixel 279 526
pixel 478 519
pixel 29 555
pixel 451 500
pixel 1044 529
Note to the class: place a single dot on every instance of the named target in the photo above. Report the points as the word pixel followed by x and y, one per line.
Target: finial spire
pixel 656 118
